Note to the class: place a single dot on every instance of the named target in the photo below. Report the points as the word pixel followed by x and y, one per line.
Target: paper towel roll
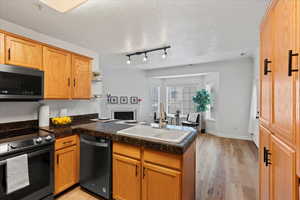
pixel 44 113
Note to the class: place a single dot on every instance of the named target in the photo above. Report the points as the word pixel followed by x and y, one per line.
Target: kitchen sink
pixel 165 135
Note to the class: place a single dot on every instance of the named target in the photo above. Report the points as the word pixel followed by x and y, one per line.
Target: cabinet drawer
pixel 65 142
pixel 163 159
pixel 127 150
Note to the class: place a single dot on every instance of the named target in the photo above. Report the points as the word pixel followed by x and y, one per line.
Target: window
pixel 181 98
pixel 155 99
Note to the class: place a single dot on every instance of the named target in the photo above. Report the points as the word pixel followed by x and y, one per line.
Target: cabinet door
pixel 298 95
pixel 282 171
pixel 126 178
pixel 57 67
pixel 266 63
pixel 81 68
pixel 2 58
pixel 23 53
pixel 65 168
pixel 283 118
pixel 264 169
pixel 160 183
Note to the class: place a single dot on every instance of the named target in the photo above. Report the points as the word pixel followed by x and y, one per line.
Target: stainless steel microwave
pixel 21 84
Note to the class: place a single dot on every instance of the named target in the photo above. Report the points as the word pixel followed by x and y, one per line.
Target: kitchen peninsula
pixel 140 165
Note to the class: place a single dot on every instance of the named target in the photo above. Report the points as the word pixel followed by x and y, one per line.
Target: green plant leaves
pixel 202 98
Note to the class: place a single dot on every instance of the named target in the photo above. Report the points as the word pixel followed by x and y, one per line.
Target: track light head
pixel 145 58
pixel 128 61
pixel 164 56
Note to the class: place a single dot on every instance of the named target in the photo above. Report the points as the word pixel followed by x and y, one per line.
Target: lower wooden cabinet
pixel 126 179
pixel 66 163
pixel 142 174
pixel 283 171
pixel 277 163
pixel 264 172
pixel 160 183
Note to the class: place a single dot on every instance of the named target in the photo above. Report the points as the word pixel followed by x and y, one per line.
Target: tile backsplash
pixel 21 111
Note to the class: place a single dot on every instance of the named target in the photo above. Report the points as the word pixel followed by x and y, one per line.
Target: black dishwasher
pixel 96 165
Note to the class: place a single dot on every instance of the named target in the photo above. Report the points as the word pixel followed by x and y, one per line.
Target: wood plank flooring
pixel 227 169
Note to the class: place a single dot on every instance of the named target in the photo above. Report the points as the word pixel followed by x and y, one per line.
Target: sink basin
pixel 147 132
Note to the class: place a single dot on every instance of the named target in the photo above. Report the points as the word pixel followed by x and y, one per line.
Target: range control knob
pixel 48 138
pixel 39 140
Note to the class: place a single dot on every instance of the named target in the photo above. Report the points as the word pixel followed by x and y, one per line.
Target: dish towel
pixel 17 173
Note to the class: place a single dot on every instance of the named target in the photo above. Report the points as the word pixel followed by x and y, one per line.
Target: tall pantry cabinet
pixel 279 102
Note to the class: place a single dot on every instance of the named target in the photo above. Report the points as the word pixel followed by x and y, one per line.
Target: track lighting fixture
pixel 145 58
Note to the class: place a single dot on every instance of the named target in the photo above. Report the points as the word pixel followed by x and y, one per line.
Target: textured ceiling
pixel 198 30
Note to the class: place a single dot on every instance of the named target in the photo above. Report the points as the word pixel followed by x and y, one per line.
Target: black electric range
pixel 39 147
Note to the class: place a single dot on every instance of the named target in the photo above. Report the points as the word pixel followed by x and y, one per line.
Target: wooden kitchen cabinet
pixel 279 130
pixel 266 65
pixel 145 174
pixel 160 183
pixel 283 82
pixel 284 184
pixel 126 178
pixel 2 57
pixel 23 52
pixel 67 161
pixel 67 75
pixel 82 77
pixel 57 67
pixel 65 168
pixel 264 166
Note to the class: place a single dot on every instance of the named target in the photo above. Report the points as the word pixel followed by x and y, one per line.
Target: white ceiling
pixel 198 30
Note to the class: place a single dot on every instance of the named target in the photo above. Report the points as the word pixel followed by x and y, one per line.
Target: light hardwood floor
pixel 227 169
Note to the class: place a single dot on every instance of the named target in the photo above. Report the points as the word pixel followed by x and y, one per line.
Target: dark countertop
pixel 109 130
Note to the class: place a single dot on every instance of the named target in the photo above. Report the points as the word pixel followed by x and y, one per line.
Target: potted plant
pixel 202 99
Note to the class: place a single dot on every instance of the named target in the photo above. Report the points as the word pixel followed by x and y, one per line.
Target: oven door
pixel 40 166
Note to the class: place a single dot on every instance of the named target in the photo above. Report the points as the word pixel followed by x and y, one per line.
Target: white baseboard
pixel 242 137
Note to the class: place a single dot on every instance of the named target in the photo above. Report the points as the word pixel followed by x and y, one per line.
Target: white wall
pixel 234 95
pixel 121 79
pixel 18 111
pixel 254 123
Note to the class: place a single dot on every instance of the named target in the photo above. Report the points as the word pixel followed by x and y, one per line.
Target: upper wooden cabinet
pixel 2 57
pixel 57 67
pixel 23 53
pixel 266 63
pixel 284 76
pixel 81 75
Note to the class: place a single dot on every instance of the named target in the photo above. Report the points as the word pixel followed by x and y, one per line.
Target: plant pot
pixel 202 125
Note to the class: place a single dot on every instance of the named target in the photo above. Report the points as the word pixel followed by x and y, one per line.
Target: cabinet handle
pixel 266 70
pixel 67 142
pixel 290 64
pixel 57 159
pixel 74 82
pixel 9 54
pixel 69 82
pixel 267 160
pixel 144 174
pixel 136 170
